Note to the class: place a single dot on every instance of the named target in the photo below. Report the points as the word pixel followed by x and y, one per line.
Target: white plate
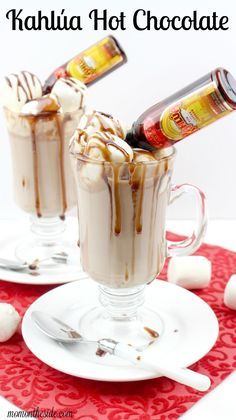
pixel 12 232
pixel 191 329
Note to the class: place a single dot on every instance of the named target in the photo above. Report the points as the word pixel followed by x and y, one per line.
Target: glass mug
pixel 123 246
pixel 42 178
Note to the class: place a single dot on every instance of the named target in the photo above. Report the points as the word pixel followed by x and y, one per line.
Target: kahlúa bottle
pixel 187 111
pixel 91 64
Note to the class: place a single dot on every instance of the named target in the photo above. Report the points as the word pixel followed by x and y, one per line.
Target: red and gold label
pixel 95 61
pixel 193 112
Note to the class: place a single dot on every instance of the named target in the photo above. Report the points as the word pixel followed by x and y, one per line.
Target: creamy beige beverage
pixel 122 198
pixel 42 177
pixel 39 128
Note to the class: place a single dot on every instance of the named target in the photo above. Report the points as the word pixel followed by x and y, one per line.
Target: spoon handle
pixel 184 376
pixel 12 265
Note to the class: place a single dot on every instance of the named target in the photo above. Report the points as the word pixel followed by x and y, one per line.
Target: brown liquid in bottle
pixel 90 65
pixel 194 107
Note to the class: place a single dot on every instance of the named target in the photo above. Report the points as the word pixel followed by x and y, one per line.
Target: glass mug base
pixel 122 317
pixel 46 246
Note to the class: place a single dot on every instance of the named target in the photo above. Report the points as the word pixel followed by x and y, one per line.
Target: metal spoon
pixel 32 267
pixel 59 331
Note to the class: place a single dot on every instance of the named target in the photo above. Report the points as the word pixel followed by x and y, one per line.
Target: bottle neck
pixel 138 140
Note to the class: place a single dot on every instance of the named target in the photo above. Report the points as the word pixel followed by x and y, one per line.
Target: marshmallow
pixel 17 89
pixel 47 103
pixel 90 173
pixel 94 121
pixel 192 272
pixel 9 321
pixel 70 93
pixel 230 293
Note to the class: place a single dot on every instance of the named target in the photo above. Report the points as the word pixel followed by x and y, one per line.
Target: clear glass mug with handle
pixel 122 218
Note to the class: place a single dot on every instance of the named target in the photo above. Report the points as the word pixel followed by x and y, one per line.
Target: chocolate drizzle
pixel 33 121
pixel 62 166
pixel 117 228
pixel 151 332
pixel 105 178
pixel 101 142
pixel 138 215
pixel 24 82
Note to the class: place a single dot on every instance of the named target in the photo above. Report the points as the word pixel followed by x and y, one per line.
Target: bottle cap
pixel 227 86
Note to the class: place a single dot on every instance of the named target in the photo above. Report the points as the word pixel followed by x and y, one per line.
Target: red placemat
pixel 30 384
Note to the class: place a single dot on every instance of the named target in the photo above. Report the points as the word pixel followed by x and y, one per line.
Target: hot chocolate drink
pixel 42 178
pixel 39 129
pixel 122 198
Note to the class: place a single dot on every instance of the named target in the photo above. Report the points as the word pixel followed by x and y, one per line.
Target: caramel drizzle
pixel 104 141
pixel 35 167
pixel 110 198
pixel 139 208
pixel 116 126
pixel 151 332
pixel 166 165
pixel 126 272
pixel 62 166
pixel 137 186
pixel 157 185
pixel 116 169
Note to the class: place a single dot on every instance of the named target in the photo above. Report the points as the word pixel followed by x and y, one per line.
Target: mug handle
pixel 191 244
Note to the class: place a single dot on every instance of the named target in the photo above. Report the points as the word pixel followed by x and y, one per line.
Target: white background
pixel 160 63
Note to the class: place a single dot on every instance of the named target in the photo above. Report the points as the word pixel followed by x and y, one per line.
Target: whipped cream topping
pixel 108 147
pixel 98 121
pixel 18 89
pixel 101 137
pixel 71 94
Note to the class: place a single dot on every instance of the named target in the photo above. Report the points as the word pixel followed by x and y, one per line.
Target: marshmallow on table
pixel 192 272
pixel 230 293
pixel 9 321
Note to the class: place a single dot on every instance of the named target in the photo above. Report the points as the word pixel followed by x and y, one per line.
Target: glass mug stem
pixel 121 304
pixel 47 229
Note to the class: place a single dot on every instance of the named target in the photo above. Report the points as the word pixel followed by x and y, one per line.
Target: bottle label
pixel 193 112
pixel 95 61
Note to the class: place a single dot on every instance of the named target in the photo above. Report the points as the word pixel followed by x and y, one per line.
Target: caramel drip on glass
pixel 139 207
pixel 116 170
pixel 166 165
pixel 104 176
pixel 104 141
pixel 32 122
pixel 61 163
pixel 137 186
pixel 156 185
pixel 126 272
